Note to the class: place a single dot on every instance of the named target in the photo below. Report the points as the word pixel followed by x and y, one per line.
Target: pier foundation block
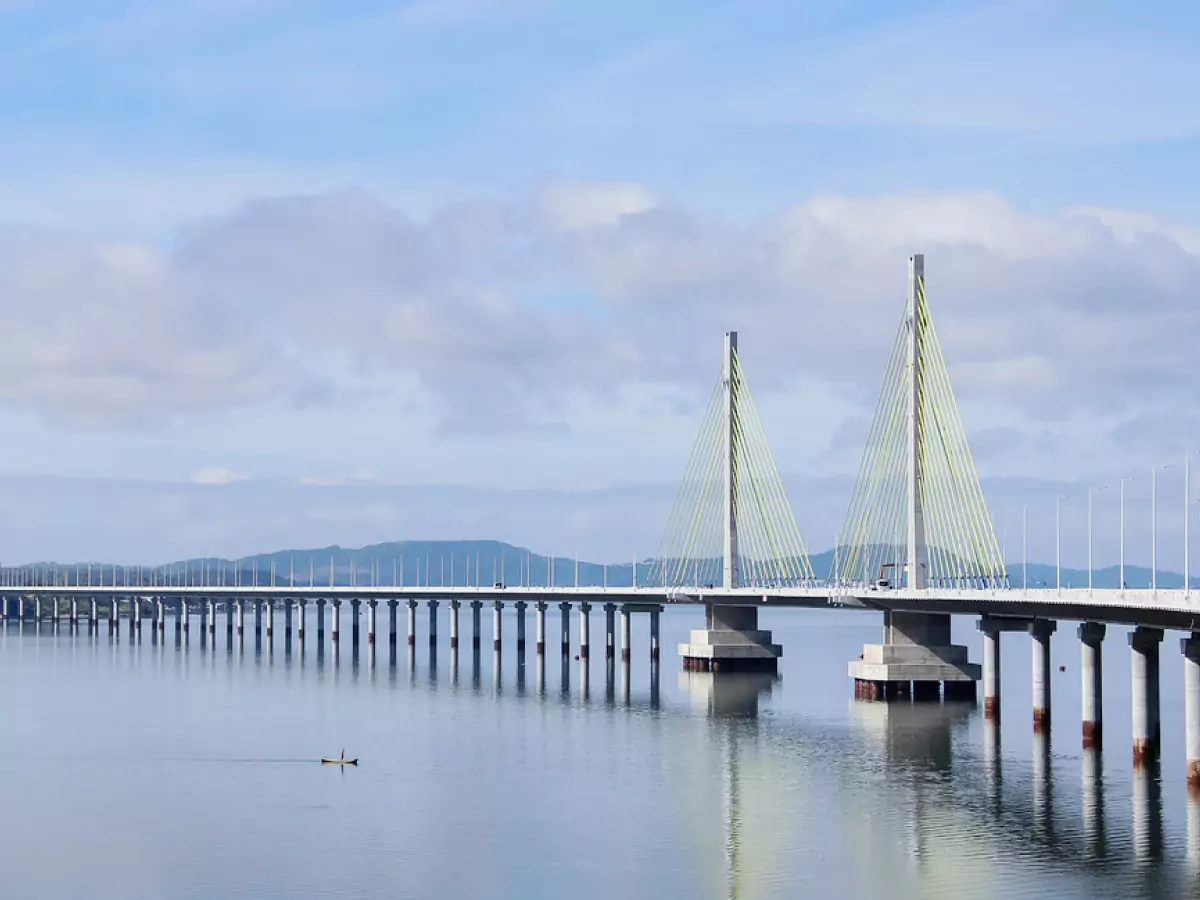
pixel 916 659
pixel 732 642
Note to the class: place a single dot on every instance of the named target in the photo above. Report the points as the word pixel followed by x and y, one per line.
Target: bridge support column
pixel 565 609
pixel 624 632
pixel 991 671
pixel 74 611
pixel 371 604
pixel 1040 631
pixel 257 619
pixel 521 605
pixel 270 604
pixel 287 621
pixel 37 608
pixel 540 626
pixel 240 615
pixel 1144 657
pixel 335 622
pixel 915 655
pixel 455 605
pixel 732 642
pixel 160 616
pixel 1191 704
pixel 654 621
pixel 585 610
pixel 354 622
pixel 412 623
pixel 610 625
pixel 320 622
pixel 433 622
pixel 392 625
pixel 93 613
pixel 476 606
pixel 1091 643
pixel 183 616
pixel 497 609
pixel 300 611
pixel 212 616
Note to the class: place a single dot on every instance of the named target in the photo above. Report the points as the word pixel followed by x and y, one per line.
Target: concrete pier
pixel 454 607
pixel 565 609
pixel 270 604
pixel 412 623
pixel 93 613
pixel 433 623
pixel 540 626
pixel 74 611
pixel 320 621
pixel 497 609
pixel 655 615
pixel 1144 659
pixel 355 624
pixel 240 615
pixel 1191 706
pixel 991 667
pixel 1040 631
pixel 335 622
pixel 212 616
pixel 160 616
pixel 287 621
pixel 731 641
pixel 1091 669
pixel 371 605
pixel 1191 647
pixel 624 633
pixel 585 610
pixel 300 614
pixel 610 627
pixel 392 623
pixel 183 616
pixel 521 605
pixel 476 607
pixel 916 655
pixel 258 620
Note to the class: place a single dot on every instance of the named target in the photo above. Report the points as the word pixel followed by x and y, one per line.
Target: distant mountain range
pixel 464 562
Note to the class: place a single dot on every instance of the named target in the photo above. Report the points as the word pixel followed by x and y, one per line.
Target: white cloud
pixel 496 317
pixel 580 205
pixel 216 475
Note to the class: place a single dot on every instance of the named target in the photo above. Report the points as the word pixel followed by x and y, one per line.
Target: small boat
pixel 341 761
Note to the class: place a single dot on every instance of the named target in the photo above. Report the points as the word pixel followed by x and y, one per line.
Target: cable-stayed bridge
pixel 917 544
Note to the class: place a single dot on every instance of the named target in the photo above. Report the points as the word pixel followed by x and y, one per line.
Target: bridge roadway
pixel 1174 609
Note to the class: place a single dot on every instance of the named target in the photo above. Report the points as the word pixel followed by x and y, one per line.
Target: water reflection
pixel 932 779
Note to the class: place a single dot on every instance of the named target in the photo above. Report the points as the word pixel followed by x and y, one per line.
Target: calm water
pixel 134 770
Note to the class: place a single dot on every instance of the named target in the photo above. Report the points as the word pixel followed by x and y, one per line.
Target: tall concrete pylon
pixel 916 556
pixel 731 526
pixel 918 509
pixel 729 554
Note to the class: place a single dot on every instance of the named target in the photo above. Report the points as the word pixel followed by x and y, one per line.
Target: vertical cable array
pixel 770 550
pixel 961 543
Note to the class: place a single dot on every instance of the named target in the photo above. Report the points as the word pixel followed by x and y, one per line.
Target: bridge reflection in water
pixel 926 785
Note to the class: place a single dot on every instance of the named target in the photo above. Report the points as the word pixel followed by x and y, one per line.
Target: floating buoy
pixel 1062 668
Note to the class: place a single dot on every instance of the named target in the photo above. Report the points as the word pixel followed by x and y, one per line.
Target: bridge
pixel 917 545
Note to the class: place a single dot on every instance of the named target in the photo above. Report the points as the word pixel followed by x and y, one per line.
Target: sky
pixel 290 273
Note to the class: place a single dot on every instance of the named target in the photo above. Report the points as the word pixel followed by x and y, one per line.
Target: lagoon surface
pixel 146 771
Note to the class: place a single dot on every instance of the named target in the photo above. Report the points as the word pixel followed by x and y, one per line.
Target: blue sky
pixel 493 244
